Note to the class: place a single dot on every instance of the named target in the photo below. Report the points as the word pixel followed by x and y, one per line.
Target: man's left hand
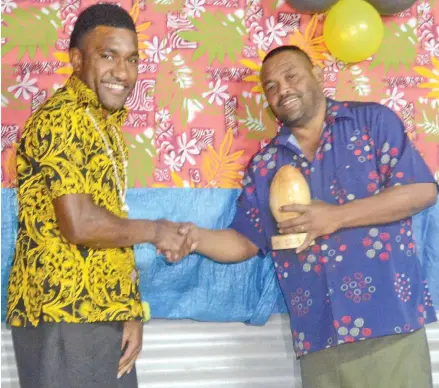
pixel 316 219
pixel 131 344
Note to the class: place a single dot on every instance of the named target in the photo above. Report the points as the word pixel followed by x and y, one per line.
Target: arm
pixel 63 153
pixel 223 246
pixel 241 241
pixel 84 223
pixel 392 204
pixel 407 187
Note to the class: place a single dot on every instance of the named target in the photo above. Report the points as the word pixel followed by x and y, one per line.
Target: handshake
pixel 175 240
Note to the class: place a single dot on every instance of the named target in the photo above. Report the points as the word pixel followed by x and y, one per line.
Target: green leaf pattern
pixel 141 155
pixel 398 47
pixel 30 28
pixel 207 31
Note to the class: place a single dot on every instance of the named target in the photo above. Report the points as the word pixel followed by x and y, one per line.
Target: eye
pixel 291 76
pixel 108 57
pixel 269 87
pixel 134 60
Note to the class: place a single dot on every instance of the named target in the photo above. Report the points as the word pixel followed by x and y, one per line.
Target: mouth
pixel 114 88
pixel 288 101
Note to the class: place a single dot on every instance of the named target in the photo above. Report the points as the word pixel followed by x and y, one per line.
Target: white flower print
pixel 217 93
pixel 332 64
pixel 187 149
pixel 162 116
pixel 261 40
pixel 432 46
pixel 25 87
pixel 8 6
pixel 173 161
pixel 194 8
pixel 157 50
pixel 275 31
pixel 423 7
pixel 394 100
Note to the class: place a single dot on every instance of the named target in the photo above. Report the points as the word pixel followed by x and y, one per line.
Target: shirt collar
pixel 334 110
pixel 87 98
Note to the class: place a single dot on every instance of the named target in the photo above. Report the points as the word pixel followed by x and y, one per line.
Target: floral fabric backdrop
pixel 197 113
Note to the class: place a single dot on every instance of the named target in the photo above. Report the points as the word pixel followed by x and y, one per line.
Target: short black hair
pixel 105 14
pixel 291 48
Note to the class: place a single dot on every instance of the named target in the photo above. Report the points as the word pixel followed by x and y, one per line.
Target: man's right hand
pixel 223 246
pixel 173 239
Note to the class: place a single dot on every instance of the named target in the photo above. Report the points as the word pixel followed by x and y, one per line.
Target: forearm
pixel 390 205
pixel 101 229
pixel 82 222
pixel 225 246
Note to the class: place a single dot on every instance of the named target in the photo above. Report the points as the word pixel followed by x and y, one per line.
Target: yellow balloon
pixel 353 30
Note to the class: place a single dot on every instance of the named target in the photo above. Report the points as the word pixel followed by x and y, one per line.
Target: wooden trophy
pixel 288 187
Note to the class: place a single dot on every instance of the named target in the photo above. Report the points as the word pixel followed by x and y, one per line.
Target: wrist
pixel 195 235
pixel 151 232
pixel 338 217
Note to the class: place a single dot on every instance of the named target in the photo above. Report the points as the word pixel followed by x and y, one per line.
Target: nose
pixel 120 70
pixel 284 89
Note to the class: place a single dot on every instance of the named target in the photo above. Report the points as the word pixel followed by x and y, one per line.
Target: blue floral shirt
pixel 357 283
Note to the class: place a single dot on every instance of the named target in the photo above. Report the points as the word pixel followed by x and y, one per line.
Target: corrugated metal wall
pixel 187 354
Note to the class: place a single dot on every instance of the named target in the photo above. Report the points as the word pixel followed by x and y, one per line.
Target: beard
pixel 304 112
pixel 292 119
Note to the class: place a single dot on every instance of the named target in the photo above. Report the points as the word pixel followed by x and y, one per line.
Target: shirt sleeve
pixel 248 217
pixel 399 162
pixel 59 151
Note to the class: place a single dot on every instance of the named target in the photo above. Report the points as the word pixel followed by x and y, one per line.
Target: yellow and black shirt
pixel 61 153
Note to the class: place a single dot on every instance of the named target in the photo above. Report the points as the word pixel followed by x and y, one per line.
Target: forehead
pixel 116 39
pixel 283 62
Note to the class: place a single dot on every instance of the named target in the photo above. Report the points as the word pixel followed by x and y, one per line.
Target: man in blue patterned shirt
pixel 356 298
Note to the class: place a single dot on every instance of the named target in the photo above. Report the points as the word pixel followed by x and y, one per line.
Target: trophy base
pixel 287 241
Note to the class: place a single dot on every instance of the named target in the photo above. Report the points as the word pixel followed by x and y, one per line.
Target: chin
pixel 111 102
pixel 112 106
pixel 291 121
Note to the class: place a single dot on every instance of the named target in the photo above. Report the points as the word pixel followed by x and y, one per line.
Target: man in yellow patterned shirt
pixel 73 300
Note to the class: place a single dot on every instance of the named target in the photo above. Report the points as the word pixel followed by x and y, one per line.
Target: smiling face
pixel 107 62
pixel 293 88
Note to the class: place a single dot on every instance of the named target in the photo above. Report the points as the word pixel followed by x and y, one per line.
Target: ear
pixel 318 74
pixel 76 59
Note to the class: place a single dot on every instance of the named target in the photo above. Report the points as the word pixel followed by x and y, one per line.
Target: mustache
pixel 281 101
